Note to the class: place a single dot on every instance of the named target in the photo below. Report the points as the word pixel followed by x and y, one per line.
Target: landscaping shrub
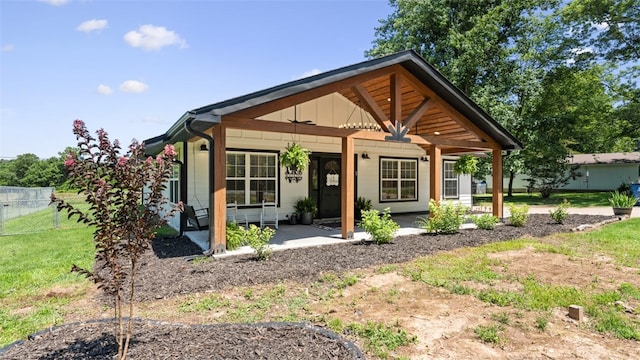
pixel 445 218
pixel 519 214
pixel 259 241
pixel 560 213
pixel 381 227
pixel 236 235
pixel 485 221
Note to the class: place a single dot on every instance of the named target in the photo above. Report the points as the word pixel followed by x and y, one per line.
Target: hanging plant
pixel 295 157
pixel 466 164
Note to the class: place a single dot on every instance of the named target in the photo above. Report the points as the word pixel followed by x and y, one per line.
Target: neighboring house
pixel 605 171
pixel 596 172
pixel 387 129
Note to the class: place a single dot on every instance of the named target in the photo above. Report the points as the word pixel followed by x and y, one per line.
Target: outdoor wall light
pixel 204 147
pixel 424 158
pixel 365 156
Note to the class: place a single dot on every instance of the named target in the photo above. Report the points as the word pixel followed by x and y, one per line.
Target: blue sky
pixel 134 67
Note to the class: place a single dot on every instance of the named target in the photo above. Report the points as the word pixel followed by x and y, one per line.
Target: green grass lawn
pixel 575 199
pixel 35 278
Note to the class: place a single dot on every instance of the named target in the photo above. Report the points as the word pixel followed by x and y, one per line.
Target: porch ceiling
pixel 435 124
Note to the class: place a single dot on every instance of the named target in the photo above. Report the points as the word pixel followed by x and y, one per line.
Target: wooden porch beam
pixel 435 173
pixel 348 188
pixel 497 184
pixel 395 89
pixel 445 106
pixel 234 122
pixel 371 106
pixel 439 140
pixel 418 112
pixel 219 227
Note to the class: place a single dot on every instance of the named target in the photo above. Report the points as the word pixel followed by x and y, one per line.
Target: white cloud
pixel 55 2
pixel 104 90
pixel 309 73
pixel 92 25
pixel 133 86
pixel 150 37
pixel 7 47
pixel 600 26
pixel 583 50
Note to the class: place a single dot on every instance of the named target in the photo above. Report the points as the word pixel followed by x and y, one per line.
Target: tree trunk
pixel 512 175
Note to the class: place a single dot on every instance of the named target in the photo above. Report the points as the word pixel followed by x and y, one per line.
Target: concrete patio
pixel 298 236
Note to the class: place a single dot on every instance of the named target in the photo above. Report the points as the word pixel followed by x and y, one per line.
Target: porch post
pixel 347 193
pixel 435 173
pixel 497 183
pixel 219 195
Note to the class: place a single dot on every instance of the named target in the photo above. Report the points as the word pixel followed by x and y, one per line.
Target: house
pixel 604 172
pixel 387 129
pixel 596 172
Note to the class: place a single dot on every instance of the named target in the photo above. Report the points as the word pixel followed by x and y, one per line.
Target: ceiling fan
pixel 295 118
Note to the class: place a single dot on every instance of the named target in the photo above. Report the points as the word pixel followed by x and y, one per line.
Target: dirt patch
pixel 442 322
pixel 597 273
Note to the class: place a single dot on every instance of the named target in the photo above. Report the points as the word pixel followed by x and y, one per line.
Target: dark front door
pixel 325 184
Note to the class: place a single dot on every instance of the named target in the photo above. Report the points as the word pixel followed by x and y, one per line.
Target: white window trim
pixel 174 184
pixel 247 178
pixel 455 179
pixel 399 179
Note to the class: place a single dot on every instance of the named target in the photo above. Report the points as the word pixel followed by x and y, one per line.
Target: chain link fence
pixel 27 210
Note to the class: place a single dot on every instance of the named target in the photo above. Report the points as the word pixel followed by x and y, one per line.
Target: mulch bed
pixel 165 273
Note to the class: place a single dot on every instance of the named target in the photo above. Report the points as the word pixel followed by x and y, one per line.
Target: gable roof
pixel 206 116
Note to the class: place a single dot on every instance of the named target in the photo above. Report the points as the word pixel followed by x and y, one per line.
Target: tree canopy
pixel 549 71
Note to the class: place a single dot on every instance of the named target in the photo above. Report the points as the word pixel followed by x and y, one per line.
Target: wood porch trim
pixel 348 187
pixel 435 173
pixel 497 184
pixel 219 197
pixel 475 145
pixel 417 113
pixel 241 123
pixel 446 107
pixel 371 106
pixel 395 85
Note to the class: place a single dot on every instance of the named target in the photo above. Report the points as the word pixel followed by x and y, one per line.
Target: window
pixel 450 181
pixel 174 184
pixel 251 177
pixel 398 179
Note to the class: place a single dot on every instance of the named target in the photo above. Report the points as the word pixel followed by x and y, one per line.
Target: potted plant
pixel 622 203
pixel 360 205
pixel 306 208
pixel 295 158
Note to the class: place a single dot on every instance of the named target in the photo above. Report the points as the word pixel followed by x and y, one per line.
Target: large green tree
pixel 523 62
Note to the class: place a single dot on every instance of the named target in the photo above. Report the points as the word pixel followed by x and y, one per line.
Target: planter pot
pixel 293 219
pixel 622 211
pixel 306 218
